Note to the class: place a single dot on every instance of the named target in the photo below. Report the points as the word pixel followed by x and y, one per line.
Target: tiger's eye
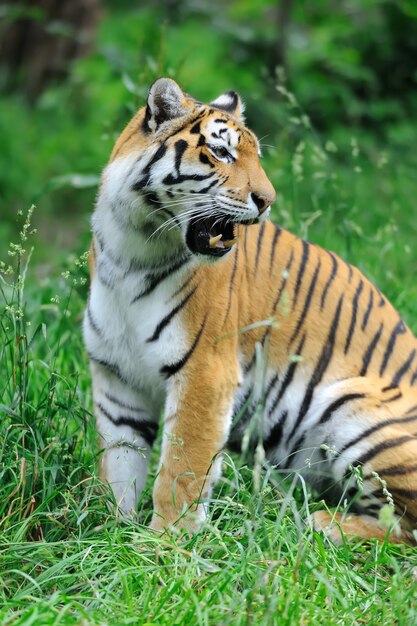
pixel 222 152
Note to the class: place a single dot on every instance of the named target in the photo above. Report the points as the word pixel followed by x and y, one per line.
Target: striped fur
pixel 167 328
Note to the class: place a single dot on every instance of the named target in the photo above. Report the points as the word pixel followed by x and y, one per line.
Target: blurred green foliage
pixel 333 102
pixel 351 66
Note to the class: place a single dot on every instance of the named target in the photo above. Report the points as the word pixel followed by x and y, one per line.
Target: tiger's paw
pixel 326 523
pixel 340 527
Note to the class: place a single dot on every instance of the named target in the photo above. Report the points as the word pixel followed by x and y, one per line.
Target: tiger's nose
pixel 261 201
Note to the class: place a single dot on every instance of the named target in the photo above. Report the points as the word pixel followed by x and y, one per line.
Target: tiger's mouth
pixel 212 236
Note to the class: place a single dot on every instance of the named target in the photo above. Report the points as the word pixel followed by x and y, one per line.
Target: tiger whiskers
pixel 189 200
pixel 198 205
pixel 181 218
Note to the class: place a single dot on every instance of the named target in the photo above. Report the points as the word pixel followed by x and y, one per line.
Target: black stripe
pixel 208 187
pixel 289 375
pixel 270 386
pixel 102 275
pixel 283 281
pixel 180 147
pixel 404 368
pixel 330 279
pixel 112 367
pixel 259 245
pixel 301 269
pixel 382 446
pixel 354 315
pixel 123 405
pixel 381 297
pixel 413 378
pixel 184 285
pixel 245 404
pixel 368 310
pixel 296 448
pixel 397 396
pixel 166 320
pixel 170 179
pixel 399 329
pixel 397 470
pixel 93 323
pixel 376 492
pixel 248 366
pixel 204 159
pixel 374 508
pixel 146 118
pixel 171 215
pixel 410 494
pixel 152 198
pixel 332 408
pixel 322 364
pixel 412 409
pixel 170 370
pixel 275 238
pixel 389 388
pixel 146 430
pixel 307 301
pixel 275 435
pixel 370 350
pixel 156 280
pixel 146 172
pixel 261 341
pixel 232 278
pixel 167 211
pixel 376 427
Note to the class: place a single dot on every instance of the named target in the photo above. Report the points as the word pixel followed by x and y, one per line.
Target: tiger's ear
pixel 165 102
pixel 230 101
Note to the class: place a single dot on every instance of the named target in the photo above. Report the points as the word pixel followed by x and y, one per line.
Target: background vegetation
pixel 330 89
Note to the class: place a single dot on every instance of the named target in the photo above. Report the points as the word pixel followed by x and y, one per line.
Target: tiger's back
pixel 340 386
pixel 336 372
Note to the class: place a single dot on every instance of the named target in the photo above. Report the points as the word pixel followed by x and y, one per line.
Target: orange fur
pixel 214 365
pixel 260 280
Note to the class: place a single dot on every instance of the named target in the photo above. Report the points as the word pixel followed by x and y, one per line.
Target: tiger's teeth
pixel 214 240
pixel 230 242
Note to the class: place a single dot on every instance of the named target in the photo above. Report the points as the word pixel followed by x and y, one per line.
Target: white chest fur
pixel 121 326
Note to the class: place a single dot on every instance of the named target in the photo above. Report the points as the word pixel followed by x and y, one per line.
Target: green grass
pixel 53 151
pixel 66 558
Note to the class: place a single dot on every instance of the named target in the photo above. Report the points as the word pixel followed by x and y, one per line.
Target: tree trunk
pixel 40 38
pixel 283 18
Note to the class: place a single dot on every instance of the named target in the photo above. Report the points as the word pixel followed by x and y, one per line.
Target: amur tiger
pixel 189 280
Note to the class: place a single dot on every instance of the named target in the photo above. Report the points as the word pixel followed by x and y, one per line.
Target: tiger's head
pixel 191 171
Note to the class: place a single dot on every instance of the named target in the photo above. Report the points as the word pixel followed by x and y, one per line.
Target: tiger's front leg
pixel 197 424
pixel 126 435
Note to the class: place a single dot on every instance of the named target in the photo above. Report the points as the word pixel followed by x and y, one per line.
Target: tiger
pixel 190 283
